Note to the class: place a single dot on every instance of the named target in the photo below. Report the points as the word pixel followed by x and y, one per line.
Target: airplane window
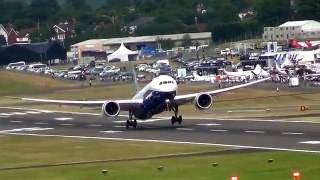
pixel 165 82
pixel 160 83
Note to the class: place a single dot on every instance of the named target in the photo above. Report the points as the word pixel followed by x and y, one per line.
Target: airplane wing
pixel 183 99
pixel 125 105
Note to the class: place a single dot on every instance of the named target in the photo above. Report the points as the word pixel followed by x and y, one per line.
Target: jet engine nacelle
pixel 111 109
pixel 203 101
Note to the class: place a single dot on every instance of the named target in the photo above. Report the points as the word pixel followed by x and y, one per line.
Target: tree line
pixel 170 16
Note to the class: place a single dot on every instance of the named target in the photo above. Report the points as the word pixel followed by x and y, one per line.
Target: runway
pixel 260 134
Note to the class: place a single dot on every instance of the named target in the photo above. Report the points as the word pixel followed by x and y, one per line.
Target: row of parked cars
pixel 160 67
pixel 78 72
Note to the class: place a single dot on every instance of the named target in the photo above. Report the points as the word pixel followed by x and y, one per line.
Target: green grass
pixel 29 150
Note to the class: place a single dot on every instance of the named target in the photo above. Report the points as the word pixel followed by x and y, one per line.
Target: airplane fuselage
pixel 155 96
pixel 154 104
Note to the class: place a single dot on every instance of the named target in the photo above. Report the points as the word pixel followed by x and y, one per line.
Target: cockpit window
pixel 160 83
pixel 165 82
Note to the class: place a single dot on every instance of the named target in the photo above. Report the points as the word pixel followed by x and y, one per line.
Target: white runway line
pixel 208 124
pixel 310 142
pixel 219 130
pixel 292 133
pixel 257 132
pixel 64 124
pixel 32 112
pixel 40 123
pixel 18 113
pixel 5 114
pixel 94 125
pixel 43 111
pixel 185 129
pixel 110 132
pixel 25 129
pixel 16 121
pixel 63 119
pixel 119 126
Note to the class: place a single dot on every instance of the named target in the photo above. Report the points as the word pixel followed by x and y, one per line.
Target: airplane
pixel 239 74
pixel 160 95
pixel 259 72
pixel 301 45
pixel 203 78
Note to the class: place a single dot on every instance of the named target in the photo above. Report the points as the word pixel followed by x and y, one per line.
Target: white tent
pixel 124 54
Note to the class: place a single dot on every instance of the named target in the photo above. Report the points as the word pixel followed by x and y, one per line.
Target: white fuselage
pixel 155 96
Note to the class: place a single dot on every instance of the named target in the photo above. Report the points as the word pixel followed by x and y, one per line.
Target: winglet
pixel 136 85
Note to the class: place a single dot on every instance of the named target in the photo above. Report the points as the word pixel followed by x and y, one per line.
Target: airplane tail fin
pixel 136 85
pixel 257 70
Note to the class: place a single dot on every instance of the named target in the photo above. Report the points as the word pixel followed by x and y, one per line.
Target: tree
pixel 309 9
pixel 166 43
pixel 186 41
pixel 273 12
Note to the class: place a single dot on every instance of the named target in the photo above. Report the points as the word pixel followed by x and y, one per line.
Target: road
pixel 259 134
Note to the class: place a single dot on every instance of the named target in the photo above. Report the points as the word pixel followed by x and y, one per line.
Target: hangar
pixel 44 52
pixel 108 46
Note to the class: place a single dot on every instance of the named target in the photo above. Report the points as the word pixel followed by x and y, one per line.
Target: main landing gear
pixel 176 118
pixel 130 122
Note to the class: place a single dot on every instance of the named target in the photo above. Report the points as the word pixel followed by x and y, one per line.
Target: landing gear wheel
pixel 128 124
pixel 134 124
pixel 173 120
pixel 179 119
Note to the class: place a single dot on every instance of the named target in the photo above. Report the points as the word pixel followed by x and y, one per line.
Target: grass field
pixel 19 150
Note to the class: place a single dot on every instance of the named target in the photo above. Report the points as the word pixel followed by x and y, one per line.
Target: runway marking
pixel 165 141
pixel 64 124
pixel 185 129
pixel 33 112
pixel 63 119
pixel 218 130
pixel 43 110
pixel 110 132
pixel 292 133
pixel 16 121
pixel 94 125
pixel 18 113
pixel 208 124
pixel 119 126
pixel 310 142
pixel 25 129
pixel 257 132
pixel 40 123
pixel 5 114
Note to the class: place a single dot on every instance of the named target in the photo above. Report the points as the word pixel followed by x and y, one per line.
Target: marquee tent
pixel 123 54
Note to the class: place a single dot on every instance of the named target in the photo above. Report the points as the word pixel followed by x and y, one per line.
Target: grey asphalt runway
pixel 261 134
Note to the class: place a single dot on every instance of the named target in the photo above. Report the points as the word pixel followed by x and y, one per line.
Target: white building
pixel 300 30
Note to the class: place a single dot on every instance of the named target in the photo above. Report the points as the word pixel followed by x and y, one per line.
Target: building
pixel 63 30
pixel 300 30
pixel 135 43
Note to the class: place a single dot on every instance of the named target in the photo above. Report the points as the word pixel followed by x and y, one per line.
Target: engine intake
pixel 111 108
pixel 203 101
